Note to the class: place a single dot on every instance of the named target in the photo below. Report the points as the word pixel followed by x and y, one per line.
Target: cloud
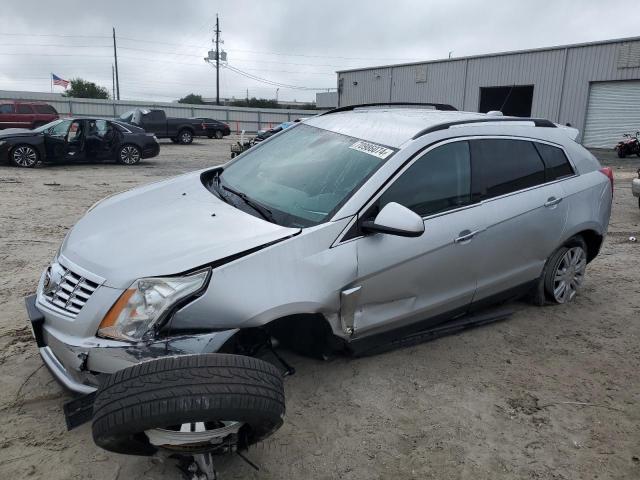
pixel 162 43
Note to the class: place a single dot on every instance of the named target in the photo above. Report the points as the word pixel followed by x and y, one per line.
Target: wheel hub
pixel 195 436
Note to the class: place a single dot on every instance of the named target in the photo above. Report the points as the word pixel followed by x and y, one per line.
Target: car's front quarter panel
pixel 302 274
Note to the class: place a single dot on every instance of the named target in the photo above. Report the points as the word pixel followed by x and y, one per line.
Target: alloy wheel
pixel 129 155
pixel 569 274
pixel 25 156
pixel 186 137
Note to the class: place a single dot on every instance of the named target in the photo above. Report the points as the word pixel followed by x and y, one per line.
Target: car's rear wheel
pixel 565 271
pixel 129 154
pixel 188 404
pixel 219 134
pixel 185 137
pixel 24 156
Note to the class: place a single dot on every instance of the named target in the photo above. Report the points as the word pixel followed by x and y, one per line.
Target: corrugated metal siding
pixel 613 109
pixel 543 70
pixel 560 77
pixel 444 83
pixel 239 118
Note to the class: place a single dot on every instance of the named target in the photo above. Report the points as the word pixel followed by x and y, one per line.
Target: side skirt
pixel 476 314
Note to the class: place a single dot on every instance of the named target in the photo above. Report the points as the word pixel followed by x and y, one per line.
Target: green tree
pixel 256 103
pixel 192 98
pixel 84 89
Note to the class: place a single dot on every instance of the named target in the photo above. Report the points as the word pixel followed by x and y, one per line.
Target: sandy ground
pixel 551 393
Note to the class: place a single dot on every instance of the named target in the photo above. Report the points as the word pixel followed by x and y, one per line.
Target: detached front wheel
pixel 189 404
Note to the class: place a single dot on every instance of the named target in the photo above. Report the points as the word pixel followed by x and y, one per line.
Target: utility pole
pixel 115 57
pixel 113 82
pixel 217 60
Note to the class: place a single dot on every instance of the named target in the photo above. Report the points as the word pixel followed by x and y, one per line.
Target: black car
pixel 77 139
pixel 214 128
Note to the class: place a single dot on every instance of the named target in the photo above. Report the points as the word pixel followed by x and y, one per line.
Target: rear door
pixel 24 115
pixel 523 207
pixel 403 280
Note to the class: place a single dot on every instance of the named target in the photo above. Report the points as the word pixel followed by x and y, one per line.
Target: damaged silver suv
pixel 366 227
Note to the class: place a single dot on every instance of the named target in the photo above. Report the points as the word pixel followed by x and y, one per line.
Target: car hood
pixel 16 132
pixel 164 228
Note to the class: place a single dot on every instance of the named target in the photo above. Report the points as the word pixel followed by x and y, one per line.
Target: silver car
pixel 347 231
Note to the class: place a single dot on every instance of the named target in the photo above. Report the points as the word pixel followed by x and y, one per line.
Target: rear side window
pixel 46 109
pixel 436 182
pixel 6 108
pixel 555 161
pixel 24 109
pixel 504 166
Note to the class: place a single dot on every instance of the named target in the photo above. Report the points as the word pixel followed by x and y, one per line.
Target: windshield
pixel 47 126
pixel 304 174
pixel 127 116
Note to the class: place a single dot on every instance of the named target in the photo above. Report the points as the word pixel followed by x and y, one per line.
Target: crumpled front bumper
pixel 78 363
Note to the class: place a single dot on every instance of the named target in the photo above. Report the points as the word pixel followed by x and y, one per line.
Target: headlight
pixel 143 304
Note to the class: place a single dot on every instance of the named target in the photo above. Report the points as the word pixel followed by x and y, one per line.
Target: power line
pixel 271 82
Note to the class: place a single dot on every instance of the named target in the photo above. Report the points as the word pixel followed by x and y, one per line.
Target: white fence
pixel 238 118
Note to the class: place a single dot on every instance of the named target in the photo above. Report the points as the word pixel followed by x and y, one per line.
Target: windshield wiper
pixel 263 211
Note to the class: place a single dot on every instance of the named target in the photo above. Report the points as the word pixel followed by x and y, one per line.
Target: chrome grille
pixel 71 293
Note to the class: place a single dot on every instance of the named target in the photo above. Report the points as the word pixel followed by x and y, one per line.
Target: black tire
pixel 191 388
pixel 621 153
pixel 210 136
pixel 550 268
pixel 219 134
pixel 185 136
pixel 129 154
pixel 24 156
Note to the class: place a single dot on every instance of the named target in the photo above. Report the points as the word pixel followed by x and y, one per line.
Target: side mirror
pixel 394 219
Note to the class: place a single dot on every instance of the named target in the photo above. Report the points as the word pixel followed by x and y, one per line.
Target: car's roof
pixel 390 126
pixel 27 102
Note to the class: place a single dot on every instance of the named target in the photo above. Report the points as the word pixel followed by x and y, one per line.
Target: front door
pixel 56 140
pixel 432 277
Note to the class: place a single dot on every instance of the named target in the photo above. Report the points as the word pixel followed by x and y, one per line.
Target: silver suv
pixel 346 231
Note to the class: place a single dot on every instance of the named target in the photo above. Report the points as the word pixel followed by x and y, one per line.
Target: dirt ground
pixel 552 393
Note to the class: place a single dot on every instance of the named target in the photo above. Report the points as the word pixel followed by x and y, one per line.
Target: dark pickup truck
pixel 179 130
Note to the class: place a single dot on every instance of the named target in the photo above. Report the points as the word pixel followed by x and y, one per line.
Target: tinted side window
pixel 504 166
pixel 6 108
pixel 439 181
pixel 24 109
pixel 555 161
pixel 46 109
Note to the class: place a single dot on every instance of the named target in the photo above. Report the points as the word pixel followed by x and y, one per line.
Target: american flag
pixel 59 81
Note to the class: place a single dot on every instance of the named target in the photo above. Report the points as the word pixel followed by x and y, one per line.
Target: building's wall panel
pixel 443 83
pixel 561 79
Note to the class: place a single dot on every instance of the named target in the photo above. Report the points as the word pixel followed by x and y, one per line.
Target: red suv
pixel 18 114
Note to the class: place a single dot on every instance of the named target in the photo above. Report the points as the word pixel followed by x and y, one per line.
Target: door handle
pixel 552 202
pixel 466 235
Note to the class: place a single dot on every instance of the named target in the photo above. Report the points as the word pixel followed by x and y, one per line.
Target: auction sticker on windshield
pixel 372 149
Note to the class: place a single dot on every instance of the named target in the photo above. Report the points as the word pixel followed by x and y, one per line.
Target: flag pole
pixel 51 80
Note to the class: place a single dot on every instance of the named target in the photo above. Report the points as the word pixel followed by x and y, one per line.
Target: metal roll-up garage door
pixel 613 109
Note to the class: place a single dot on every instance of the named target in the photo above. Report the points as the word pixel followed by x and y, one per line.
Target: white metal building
pixel 593 86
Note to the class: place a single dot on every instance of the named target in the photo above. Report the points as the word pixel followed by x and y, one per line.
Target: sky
pixel 162 44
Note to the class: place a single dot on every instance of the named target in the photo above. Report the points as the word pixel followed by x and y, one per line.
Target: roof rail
pixel 538 122
pixel 437 106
